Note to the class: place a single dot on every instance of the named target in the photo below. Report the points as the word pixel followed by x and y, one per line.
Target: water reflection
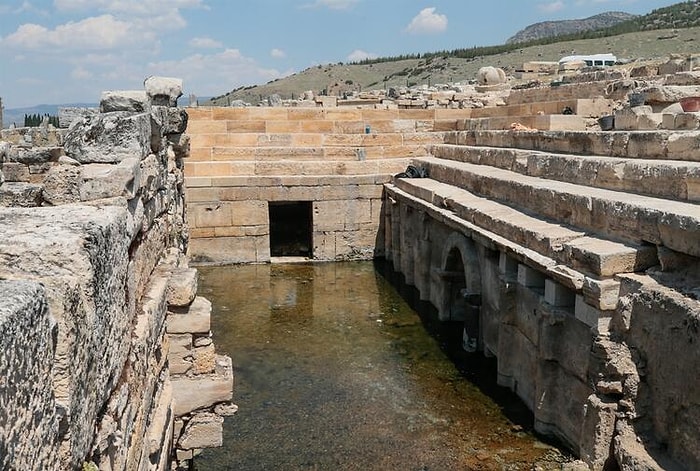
pixel 335 371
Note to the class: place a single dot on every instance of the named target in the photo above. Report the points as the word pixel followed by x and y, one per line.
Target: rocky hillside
pixel 548 29
pixel 672 29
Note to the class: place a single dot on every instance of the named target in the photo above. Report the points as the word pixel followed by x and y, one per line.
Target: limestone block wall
pixel 93 239
pixel 581 381
pixel 593 320
pixel 242 159
pixel 27 330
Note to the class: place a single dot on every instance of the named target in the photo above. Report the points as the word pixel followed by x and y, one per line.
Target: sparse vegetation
pixel 35 120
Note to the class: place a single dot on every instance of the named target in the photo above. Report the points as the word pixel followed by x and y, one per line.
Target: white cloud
pixel 427 22
pixel 205 43
pixel 359 55
pixel 277 54
pixel 94 33
pixel 145 15
pixel 332 4
pixel 551 7
pixel 214 74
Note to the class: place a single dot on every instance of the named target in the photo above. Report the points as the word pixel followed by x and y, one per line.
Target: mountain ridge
pixel 547 29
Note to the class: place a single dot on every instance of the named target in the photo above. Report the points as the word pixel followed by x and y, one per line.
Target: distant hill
pixel 16 115
pixel 664 31
pixel 547 29
pixel 446 69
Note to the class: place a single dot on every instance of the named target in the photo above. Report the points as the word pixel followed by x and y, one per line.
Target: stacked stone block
pixel 93 223
pixel 336 158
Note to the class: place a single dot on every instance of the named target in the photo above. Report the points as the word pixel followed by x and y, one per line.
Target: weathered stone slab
pixel 14 172
pixel 22 195
pixel 108 180
pixel 26 342
pixel 134 101
pixel 193 319
pixel 80 254
pixel 109 137
pixel 607 258
pixel 180 353
pixel 669 93
pixel 198 392
pixel 638 118
pixel 202 431
pixel 62 185
pixel 33 155
pixel 163 91
pixel 66 115
pixel 182 287
pixel 170 120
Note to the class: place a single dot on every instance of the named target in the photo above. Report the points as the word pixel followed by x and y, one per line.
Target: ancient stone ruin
pixel 107 360
pixel 568 252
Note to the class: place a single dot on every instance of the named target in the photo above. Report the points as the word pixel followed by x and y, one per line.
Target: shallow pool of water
pixel 338 368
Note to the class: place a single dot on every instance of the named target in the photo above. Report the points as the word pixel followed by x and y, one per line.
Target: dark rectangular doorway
pixel 291 224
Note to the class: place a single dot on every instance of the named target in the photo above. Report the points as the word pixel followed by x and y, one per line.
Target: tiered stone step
pixel 588 107
pixel 216 170
pixel 547 122
pixel 627 217
pixel 228 141
pixel 596 88
pixel 306 146
pixel 585 252
pixel 672 179
pixel 653 145
pixel 548 114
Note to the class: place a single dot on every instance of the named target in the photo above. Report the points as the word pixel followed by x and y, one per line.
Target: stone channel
pixel 340 366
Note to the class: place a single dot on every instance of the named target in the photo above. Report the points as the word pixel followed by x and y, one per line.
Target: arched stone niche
pixel 460 284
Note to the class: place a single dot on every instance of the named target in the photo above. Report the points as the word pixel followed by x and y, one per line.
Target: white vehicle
pixel 593 60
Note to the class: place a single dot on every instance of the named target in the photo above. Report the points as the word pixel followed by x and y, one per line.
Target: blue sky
pixel 63 51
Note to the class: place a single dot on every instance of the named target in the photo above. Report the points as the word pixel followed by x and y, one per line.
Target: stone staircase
pixel 602 215
pixel 311 141
pixel 598 231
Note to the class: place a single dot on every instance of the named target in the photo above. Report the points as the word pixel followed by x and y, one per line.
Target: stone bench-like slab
pixel 652 145
pixel 316 153
pixel 198 171
pixel 671 179
pixel 547 122
pixel 597 295
pixel 587 107
pixel 581 251
pixel 624 216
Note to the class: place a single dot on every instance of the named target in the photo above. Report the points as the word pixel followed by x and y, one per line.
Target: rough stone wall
pixel 28 331
pixel 93 268
pixel 660 330
pixel 337 158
